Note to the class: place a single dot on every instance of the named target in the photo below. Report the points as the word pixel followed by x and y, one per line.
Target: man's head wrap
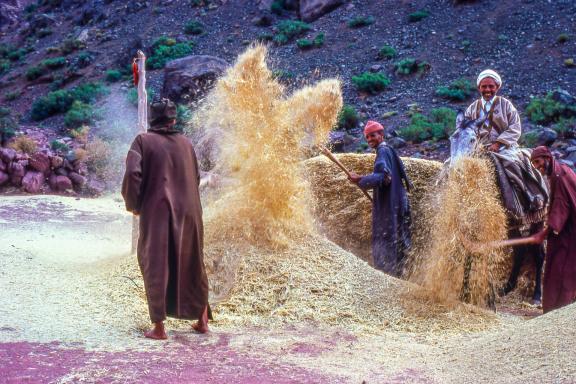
pixel 162 112
pixel 541 151
pixel 489 73
pixel 372 126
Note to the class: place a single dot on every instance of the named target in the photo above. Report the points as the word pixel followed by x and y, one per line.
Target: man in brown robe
pixel 161 185
pixel 560 271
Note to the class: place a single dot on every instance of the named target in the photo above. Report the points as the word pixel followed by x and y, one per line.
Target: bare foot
pixel 157 333
pixel 201 326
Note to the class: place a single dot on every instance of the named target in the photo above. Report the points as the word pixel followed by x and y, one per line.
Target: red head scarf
pixel 540 151
pixel 372 126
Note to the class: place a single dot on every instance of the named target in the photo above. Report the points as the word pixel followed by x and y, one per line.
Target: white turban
pixel 489 73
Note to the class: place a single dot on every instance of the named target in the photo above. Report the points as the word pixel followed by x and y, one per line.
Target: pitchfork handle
pixel 331 156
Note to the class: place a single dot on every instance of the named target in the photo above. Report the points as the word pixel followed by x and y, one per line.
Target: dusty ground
pixel 59 324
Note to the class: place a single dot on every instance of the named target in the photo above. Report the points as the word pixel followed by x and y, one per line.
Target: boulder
pixel 59 183
pixel 40 162
pixel 4 177
pixel 311 10
pixel 61 171
pixel 187 79
pixel 396 142
pixel 3 166
pixel 77 180
pixel 547 137
pixel 563 97
pixel 17 168
pixel 32 181
pixel 7 154
pixel 56 162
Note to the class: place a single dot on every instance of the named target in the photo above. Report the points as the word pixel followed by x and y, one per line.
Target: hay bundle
pixel 466 206
pixel 344 214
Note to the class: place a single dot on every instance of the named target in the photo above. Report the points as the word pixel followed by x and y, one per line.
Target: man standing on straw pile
pixel 390 207
pixel 523 190
pixel 560 272
pixel 161 185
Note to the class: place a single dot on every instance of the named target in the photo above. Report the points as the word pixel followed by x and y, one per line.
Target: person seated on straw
pixel 390 207
pixel 161 185
pixel 560 272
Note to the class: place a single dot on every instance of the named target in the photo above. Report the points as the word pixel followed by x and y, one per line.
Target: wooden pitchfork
pixel 483 247
pixel 331 156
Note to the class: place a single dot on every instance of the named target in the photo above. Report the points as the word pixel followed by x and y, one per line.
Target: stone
pixel 189 78
pixel 7 154
pixel 61 171
pixel 59 183
pixel 40 161
pixel 311 10
pixel 571 157
pixel 375 68
pixel 563 97
pixel 4 178
pixel 17 168
pixel 396 142
pixel 77 179
pixel 32 181
pixel 56 162
pixel 547 137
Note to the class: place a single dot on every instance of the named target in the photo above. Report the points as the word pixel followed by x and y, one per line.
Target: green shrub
pixel 307 44
pixel 12 95
pixel 440 125
pixel 529 139
pixel 564 126
pixel 386 52
pixel 4 66
pixel 458 90
pixel 16 55
pixel 78 115
pixel 194 27
pixel 60 101
pixel 283 75
pixel 360 21
pixel 113 75
pixel 348 117
pixel 59 147
pixel 277 7
pixel 562 38
pixel 167 49
pixel 8 125
pixel 54 63
pixel 370 82
pixel 409 66
pixel 34 72
pixel 418 15
pixel 547 110
pixel 290 29
pixel 265 37
pixel 465 44
pixel 71 45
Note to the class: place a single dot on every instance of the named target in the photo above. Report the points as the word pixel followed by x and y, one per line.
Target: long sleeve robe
pixel 161 184
pixel 560 271
pixel 506 125
pixel 390 211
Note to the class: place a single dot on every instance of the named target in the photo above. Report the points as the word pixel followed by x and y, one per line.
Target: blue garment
pixel 390 211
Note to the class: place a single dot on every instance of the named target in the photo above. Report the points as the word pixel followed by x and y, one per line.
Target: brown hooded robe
pixel 161 184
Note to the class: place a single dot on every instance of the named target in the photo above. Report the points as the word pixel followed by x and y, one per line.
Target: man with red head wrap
pixel 560 271
pixel 390 207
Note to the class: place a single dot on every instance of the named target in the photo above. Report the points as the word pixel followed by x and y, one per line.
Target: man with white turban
pixel 502 127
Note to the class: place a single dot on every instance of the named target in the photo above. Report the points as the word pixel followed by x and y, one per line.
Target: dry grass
pixel 24 144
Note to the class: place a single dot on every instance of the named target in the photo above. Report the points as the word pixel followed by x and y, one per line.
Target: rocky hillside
pixel 410 64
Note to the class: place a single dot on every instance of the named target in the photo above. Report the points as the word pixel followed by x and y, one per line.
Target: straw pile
pixel 344 214
pixel 466 206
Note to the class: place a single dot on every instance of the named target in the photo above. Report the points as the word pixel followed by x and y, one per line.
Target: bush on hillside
pixel 8 125
pixel 24 144
pixel 410 66
pixel 386 52
pixel 4 66
pixel 59 147
pixel 290 29
pixel 113 75
pixel 194 27
pixel 547 110
pixel 71 45
pixel 166 49
pixel 348 117
pixel 371 82
pixel 418 15
pixel 33 73
pixel 60 101
pixel 317 42
pixel 361 21
pixel 458 90
pixel 439 125
pixel 529 139
pixel 78 115
pixel 54 63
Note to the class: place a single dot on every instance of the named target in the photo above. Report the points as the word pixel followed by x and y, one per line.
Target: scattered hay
pixel 466 206
pixel 345 215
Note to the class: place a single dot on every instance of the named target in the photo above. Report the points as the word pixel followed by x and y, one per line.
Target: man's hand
pixel 354 178
pixel 495 147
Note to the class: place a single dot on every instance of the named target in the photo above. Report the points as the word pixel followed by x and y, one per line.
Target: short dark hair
pixel 162 112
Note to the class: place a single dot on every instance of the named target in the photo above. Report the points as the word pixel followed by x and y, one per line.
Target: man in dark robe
pixel 161 185
pixel 560 271
pixel 390 207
